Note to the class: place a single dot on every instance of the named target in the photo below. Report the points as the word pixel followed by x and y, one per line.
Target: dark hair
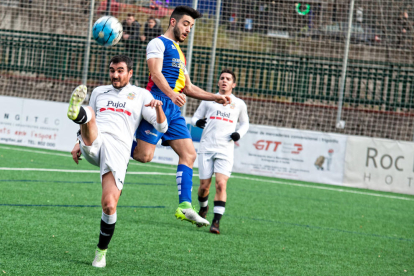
pixel 229 71
pixel 151 18
pixel 130 14
pixel 122 58
pixel 179 11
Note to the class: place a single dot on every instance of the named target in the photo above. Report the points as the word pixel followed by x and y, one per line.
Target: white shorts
pixel 109 155
pixel 209 163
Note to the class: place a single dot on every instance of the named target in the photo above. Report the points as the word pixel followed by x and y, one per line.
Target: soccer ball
pixel 107 31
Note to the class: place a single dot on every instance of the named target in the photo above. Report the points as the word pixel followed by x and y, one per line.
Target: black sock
pixel 82 117
pixel 217 216
pixel 203 199
pixel 105 236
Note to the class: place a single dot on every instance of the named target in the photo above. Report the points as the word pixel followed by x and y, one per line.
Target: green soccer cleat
pixel 190 215
pixel 76 100
pixel 100 258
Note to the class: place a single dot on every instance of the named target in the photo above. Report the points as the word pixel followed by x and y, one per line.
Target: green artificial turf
pixel 50 225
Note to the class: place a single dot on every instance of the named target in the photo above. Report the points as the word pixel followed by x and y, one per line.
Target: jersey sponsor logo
pixel 219 118
pixel 233 105
pixel 223 114
pixel 148 132
pixel 178 63
pixel 131 96
pixel 116 110
pixel 116 105
pixel 172 46
pixel 107 91
pixel 120 181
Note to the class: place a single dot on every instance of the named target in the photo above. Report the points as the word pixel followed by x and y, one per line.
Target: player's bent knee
pixel 109 207
pixel 203 189
pixel 143 158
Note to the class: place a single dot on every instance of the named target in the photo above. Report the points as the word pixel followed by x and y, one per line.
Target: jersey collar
pixel 170 39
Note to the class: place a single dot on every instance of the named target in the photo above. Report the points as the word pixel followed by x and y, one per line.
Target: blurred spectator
pixel 233 22
pixel 248 23
pixel 403 29
pixel 152 30
pixel 130 36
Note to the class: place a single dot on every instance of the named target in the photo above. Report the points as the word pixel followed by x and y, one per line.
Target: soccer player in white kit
pixel 107 127
pixel 216 152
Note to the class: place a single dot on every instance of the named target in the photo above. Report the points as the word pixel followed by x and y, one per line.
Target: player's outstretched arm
pixel 158 120
pixel 196 92
pixel 155 67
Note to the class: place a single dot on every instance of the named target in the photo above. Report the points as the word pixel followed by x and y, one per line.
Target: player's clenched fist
pixel 223 99
pixel 154 103
pixel 179 99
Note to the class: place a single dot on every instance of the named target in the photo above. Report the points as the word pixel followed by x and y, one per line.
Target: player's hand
pixel 235 136
pixel 178 99
pixel 223 99
pixel 201 123
pixel 154 103
pixel 76 153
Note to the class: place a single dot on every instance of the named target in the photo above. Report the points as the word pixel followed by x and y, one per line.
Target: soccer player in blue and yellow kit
pixel 169 82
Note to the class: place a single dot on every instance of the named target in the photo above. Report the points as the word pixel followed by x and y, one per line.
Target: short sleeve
pixel 92 100
pixel 155 49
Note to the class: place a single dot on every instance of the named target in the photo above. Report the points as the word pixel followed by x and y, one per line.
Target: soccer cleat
pixel 76 100
pixel 190 215
pixel 100 258
pixel 203 214
pixel 215 228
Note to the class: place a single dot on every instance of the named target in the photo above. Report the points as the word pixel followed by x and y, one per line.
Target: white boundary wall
pixel 361 162
pixel 379 164
pixel 35 123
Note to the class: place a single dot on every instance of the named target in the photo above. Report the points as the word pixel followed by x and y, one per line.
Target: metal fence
pixel 297 66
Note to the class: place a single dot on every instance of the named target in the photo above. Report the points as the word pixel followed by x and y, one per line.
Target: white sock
pixel 109 219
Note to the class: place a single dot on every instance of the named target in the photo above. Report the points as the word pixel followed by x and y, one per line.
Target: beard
pixel 177 34
pixel 120 83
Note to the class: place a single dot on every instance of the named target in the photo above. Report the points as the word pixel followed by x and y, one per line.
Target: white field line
pixel 237 177
pixel 77 171
pixel 70 156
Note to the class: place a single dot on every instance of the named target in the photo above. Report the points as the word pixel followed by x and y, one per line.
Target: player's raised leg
pixel 219 202
pixel 109 201
pixel 84 116
pixel 187 155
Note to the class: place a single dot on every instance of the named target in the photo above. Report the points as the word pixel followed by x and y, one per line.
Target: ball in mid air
pixel 107 31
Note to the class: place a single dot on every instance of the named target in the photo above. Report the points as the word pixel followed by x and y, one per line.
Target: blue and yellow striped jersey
pixel 173 67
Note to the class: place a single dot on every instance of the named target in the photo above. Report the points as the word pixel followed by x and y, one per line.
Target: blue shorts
pixel 177 126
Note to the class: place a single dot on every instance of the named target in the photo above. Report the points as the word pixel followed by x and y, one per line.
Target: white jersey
pixel 221 123
pixel 119 111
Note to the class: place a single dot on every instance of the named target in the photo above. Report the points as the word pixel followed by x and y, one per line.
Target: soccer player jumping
pixel 216 151
pixel 107 128
pixel 169 82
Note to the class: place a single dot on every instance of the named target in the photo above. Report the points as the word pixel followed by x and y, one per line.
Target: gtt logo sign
pixel 265 145
pixel 274 145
